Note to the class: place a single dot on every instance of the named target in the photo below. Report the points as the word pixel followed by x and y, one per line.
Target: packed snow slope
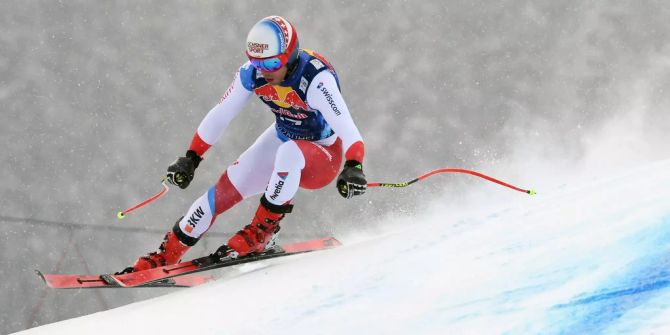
pixel 584 258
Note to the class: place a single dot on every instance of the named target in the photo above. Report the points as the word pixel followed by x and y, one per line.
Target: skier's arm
pixel 211 128
pixel 216 121
pixel 324 95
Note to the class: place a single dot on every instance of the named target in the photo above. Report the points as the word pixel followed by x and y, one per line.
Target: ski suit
pixel 302 148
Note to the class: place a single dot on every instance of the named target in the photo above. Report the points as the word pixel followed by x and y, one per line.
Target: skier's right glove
pixel 351 180
pixel 181 171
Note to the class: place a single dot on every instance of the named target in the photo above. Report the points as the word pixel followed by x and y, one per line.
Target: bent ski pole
pixel 165 189
pixel 474 173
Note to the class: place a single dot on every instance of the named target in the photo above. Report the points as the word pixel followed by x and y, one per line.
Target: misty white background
pixel 98 98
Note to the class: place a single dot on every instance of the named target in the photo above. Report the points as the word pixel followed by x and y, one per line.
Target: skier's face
pixel 274 78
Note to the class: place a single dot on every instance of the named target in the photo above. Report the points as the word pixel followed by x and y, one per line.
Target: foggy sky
pixel 98 98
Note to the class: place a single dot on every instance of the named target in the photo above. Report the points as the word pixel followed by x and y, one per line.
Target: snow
pixel 582 258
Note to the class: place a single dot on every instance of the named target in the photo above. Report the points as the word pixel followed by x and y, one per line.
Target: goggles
pixel 269 64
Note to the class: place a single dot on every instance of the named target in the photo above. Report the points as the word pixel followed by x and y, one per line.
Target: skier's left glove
pixel 351 181
pixel 182 171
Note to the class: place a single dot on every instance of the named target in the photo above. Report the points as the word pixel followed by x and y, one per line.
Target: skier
pixel 302 148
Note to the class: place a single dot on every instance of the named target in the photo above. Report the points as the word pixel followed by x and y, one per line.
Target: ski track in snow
pixel 592 258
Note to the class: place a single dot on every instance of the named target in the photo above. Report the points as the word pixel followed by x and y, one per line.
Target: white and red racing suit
pixel 303 148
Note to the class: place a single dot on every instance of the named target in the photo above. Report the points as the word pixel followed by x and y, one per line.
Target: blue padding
pixel 210 198
pixel 247 74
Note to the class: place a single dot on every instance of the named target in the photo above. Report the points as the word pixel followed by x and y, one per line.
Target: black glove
pixel 181 171
pixel 351 180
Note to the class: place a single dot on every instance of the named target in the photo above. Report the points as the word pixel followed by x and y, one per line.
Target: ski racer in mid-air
pixel 312 135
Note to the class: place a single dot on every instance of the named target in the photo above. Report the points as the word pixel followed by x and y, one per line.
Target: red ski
pixel 156 275
pixel 70 281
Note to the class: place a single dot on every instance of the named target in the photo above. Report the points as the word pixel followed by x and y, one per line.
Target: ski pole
pixel 165 189
pixel 474 173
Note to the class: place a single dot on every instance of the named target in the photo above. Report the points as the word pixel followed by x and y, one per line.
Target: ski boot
pixel 261 233
pixel 169 252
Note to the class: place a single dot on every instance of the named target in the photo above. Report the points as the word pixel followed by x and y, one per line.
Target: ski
pixel 72 281
pixel 157 275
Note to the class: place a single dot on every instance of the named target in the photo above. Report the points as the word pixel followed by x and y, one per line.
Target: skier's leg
pixel 322 163
pixel 250 173
pixel 283 184
pixel 285 177
pixel 297 164
pixel 246 177
pixel 185 233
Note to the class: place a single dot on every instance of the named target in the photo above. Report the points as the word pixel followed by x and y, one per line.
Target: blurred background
pixel 98 98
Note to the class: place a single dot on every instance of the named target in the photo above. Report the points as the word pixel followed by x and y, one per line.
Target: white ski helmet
pixel 272 43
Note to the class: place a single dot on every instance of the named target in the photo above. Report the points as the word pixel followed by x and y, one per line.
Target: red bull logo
pixel 267 93
pixel 294 100
pixel 282 96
